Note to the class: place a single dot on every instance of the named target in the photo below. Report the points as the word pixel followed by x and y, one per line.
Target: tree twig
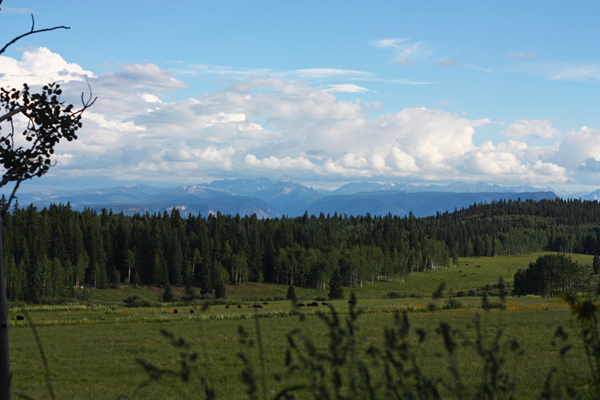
pixel 31 32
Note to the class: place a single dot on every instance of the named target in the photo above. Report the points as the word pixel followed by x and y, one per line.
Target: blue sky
pixel 322 92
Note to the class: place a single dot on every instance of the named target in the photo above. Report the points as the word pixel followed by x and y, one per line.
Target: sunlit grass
pixel 92 348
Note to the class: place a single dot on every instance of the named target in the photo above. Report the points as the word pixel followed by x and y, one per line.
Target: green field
pixel 92 350
pixel 479 271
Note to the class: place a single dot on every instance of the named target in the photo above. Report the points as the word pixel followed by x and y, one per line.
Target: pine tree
pixel 115 278
pixel 205 282
pixel 167 295
pixel 596 264
pixel 58 278
pixel 135 278
pixel 335 285
pixel 291 293
pixel 220 289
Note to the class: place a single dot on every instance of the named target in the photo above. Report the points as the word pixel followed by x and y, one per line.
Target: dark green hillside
pixel 50 251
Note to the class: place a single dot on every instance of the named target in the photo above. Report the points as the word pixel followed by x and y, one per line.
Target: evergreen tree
pixel 13 279
pixel 115 278
pixel 135 278
pixel 58 278
pixel 335 285
pixel 549 274
pixel 205 282
pixel 220 289
pixel 291 293
pixel 168 295
pixel 596 264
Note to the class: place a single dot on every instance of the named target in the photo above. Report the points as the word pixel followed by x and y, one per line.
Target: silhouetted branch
pixel 31 32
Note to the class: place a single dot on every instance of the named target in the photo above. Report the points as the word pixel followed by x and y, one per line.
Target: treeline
pixel 50 252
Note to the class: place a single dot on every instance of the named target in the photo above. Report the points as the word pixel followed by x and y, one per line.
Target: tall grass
pixel 344 367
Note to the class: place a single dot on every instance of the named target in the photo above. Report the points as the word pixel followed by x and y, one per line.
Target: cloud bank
pixel 277 127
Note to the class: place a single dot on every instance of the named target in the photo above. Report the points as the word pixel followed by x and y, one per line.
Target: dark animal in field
pixel 226 306
pixel 459 272
pixel 265 303
pixel 20 318
pixel 314 304
pixel 301 305
pixel 175 311
pixel 239 306
pixel 257 306
pixel 324 304
pixel 351 302
pixel 191 311
pixel 465 275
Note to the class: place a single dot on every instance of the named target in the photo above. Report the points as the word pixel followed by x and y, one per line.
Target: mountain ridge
pixel 270 199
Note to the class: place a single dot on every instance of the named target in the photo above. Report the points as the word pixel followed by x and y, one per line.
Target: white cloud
pixel 541 129
pixel 507 162
pixel 402 162
pixel 404 53
pixel 224 118
pixel 566 72
pixel 325 73
pixel 18 10
pixel 150 98
pixel 279 163
pixel 408 54
pixel 383 43
pixel 346 88
pixel 225 74
pixel 126 126
pixel 579 147
pixel 218 156
pixel 39 67
pixel 262 125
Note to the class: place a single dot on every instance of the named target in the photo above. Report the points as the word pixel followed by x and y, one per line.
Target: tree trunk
pixel 5 392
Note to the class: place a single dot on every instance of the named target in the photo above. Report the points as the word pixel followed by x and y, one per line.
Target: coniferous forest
pixel 52 251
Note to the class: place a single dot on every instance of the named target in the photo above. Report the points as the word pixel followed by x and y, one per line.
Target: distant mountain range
pixel 270 199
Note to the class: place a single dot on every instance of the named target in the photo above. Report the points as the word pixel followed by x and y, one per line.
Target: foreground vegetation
pixel 100 348
pixel 97 358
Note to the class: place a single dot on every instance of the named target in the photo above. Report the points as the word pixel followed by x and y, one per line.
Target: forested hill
pixel 48 252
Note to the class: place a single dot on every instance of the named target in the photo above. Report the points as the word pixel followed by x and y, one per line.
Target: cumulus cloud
pixel 580 147
pixel 540 129
pixel 401 162
pixel 39 67
pixel 263 125
pixel 507 162
pixel 298 163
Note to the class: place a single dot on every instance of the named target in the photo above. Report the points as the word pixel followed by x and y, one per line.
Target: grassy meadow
pixel 92 348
